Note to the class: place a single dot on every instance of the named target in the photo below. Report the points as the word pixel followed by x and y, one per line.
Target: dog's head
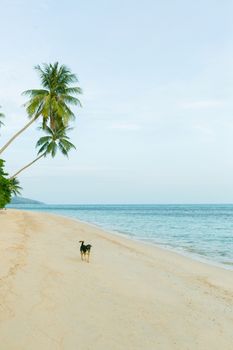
pixel 81 241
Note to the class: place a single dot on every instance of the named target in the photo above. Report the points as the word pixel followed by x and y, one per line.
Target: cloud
pixel 125 126
pixel 203 104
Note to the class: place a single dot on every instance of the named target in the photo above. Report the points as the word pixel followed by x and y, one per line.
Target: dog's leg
pixel 82 256
pixel 88 256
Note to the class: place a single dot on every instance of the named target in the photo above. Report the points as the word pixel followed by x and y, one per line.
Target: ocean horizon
pixel 201 231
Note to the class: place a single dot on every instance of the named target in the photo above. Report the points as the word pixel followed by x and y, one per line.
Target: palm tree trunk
pixel 26 166
pixel 18 133
pixel 52 121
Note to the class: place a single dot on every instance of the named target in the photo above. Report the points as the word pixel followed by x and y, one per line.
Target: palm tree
pixel 52 102
pixel 55 140
pixel 1 116
pixel 15 187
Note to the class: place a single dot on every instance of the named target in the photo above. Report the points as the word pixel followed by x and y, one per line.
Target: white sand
pixel 130 295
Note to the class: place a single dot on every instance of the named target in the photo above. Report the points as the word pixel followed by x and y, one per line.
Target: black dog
pixel 85 251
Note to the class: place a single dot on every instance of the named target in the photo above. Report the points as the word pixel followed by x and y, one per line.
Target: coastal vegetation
pixel 22 200
pixel 8 187
pixel 51 105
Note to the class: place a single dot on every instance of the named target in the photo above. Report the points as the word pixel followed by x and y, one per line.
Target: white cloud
pixel 202 104
pixel 125 126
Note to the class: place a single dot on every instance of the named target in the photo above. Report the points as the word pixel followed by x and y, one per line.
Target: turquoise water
pixel 203 231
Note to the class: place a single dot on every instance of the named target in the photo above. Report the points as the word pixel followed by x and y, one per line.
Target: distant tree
pixel 14 186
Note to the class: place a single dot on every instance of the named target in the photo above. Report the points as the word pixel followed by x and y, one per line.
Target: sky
pixel 156 124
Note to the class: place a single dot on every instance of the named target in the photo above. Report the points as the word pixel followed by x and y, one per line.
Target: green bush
pixel 5 186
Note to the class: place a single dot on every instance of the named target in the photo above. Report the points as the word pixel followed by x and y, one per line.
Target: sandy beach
pixel 130 296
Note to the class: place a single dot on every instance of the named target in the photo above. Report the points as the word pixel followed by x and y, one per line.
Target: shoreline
pixel 192 256
pixel 182 252
pixel 130 296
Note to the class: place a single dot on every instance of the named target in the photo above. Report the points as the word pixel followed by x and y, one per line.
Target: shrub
pixel 5 186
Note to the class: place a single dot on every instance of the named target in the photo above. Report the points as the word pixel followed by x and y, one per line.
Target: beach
pixel 130 296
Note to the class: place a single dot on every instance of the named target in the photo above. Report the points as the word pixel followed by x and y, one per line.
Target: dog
pixel 85 251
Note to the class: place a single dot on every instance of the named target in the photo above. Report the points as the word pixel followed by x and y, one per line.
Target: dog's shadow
pixel 76 260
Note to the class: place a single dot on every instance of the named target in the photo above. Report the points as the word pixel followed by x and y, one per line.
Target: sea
pixel 203 232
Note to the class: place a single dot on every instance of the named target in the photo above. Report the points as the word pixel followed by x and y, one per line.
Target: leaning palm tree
pixel 50 144
pixel 52 102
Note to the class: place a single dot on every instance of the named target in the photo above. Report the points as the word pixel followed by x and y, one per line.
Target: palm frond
pixel 63 149
pixel 43 149
pixel 42 140
pixel 34 92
